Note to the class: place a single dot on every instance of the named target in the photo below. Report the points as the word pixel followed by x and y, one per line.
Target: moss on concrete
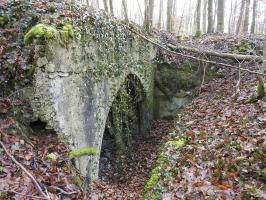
pixel 77 181
pixel 82 152
pixel 40 32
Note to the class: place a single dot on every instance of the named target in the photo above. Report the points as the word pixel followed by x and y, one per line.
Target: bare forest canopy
pixel 189 17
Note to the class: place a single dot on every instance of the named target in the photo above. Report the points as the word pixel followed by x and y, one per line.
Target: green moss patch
pixel 82 152
pixel 40 32
pixel 158 171
pixel 77 181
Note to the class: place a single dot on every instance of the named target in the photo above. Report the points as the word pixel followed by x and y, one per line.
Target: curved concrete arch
pixel 74 87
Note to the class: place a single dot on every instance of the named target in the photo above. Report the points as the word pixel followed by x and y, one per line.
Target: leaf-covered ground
pixel 224 156
pixel 129 183
pixel 46 159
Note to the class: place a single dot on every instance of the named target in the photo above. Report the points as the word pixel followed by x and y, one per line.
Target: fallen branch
pixel 25 195
pixel 26 171
pixel 62 191
pixel 235 57
pixel 195 58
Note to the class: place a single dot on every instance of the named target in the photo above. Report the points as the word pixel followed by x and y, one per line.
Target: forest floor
pixel 223 157
pixel 129 183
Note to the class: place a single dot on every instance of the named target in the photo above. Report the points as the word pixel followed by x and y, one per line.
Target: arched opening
pixel 124 124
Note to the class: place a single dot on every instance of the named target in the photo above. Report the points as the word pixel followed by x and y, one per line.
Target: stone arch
pixel 74 88
pixel 125 120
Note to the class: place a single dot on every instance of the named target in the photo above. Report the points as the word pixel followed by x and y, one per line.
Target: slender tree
pixel 148 15
pixel 230 18
pixel 105 5
pixel 181 20
pixel 254 8
pixel 210 16
pixel 220 16
pixel 93 4
pixel 204 21
pixel 111 7
pixel 240 19
pixel 174 15
pixel 124 5
pixel 198 17
pixel 169 15
pixel 246 21
pixel 160 14
pixel 264 59
pixel 214 19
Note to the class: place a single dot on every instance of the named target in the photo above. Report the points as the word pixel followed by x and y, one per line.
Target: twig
pixel 26 171
pixel 62 191
pixel 192 57
pixel 11 191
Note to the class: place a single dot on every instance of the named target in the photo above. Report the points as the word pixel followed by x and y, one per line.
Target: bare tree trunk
pixel 215 15
pixel 246 21
pixel 124 5
pixel 220 16
pixel 93 4
pixel 230 18
pixel 148 16
pixel 210 16
pixel 198 16
pixel 169 15
pixel 151 8
pixel 111 7
pixel 174 16
pixel 240 19
pixel 204 25
pixel 264 59
pixel 105 5
pixel 264 25
pixel 181 20
pixel 232 23
pixel 254 8
pixel 160 14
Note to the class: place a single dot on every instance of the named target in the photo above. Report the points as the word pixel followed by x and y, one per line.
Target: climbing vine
pixel 123 120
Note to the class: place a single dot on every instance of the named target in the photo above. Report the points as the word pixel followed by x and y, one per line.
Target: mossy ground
pixel 151 191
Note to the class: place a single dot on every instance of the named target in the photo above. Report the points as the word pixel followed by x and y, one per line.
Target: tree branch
pixel 235 57
pixel 25 195
pixel 195 58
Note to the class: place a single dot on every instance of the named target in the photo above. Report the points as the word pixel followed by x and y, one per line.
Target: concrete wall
pixel 75 84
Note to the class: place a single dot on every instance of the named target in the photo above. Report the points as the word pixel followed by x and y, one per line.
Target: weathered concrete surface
pixel 75 84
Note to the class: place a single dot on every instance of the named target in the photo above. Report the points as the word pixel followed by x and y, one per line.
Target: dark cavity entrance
pixel 124 124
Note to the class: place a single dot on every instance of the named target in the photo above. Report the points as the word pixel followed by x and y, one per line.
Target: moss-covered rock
pixel 41 32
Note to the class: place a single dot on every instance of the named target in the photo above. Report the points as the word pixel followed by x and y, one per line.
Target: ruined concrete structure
pixel 76 83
